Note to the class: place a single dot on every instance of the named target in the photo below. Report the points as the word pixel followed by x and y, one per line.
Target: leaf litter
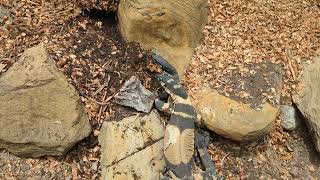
pixel 240 35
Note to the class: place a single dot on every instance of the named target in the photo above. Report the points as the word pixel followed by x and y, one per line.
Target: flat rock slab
pixel 308 99
pixel 41 113
pixel 132 148
pixel 232 119
pixel 172 28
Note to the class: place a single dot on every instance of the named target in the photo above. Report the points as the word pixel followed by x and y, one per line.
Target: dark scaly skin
pixel 183 117
pixel 179 135
pixel 210 171
pixel 165 65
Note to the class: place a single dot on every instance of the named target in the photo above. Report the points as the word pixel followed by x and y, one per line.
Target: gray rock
pixel 132 148
pixel 308 99
pixel 134 94
pixel 41 113
pixel 290 120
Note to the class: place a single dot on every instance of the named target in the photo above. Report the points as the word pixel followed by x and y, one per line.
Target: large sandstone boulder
pixel 233 119
pixel 132 148
pixel 307 100
pixel 172 28
pixel 41 113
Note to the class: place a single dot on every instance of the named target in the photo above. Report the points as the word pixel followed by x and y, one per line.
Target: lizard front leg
pixel 162 106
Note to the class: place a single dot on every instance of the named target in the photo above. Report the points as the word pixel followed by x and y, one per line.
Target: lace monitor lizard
pixel 180 135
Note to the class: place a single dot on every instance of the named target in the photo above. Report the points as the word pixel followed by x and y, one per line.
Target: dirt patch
pixel 92 54
pixel 253 84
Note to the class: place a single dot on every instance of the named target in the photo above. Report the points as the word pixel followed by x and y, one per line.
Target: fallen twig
pixel 103 103
pixel 222 160
pixel 106 84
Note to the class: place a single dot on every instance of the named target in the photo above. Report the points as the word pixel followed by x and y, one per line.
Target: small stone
pixel 94 166
pixel 24 167
pixel 294 171
pixel 135 95
pixel 72 56
pixel 290 121
pixel 4 157
pixel 114 48
pixel 5 16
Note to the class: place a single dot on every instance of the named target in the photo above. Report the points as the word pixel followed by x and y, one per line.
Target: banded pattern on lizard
pixel 180 135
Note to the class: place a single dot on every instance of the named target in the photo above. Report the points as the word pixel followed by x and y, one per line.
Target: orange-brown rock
pixel 172 28
pixel 233 119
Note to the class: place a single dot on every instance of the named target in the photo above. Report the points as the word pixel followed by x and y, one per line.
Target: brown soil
pixel 253 84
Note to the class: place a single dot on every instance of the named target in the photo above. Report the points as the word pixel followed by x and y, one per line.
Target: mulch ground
pixel 240 35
